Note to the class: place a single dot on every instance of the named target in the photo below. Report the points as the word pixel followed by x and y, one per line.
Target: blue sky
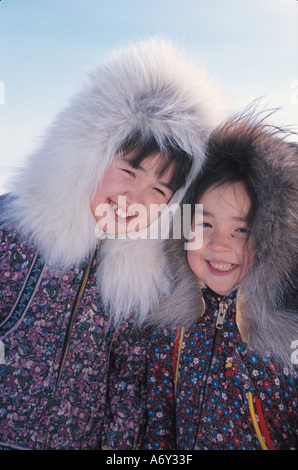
pixel 46 47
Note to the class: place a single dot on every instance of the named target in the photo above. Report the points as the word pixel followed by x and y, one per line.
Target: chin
pixel 220 289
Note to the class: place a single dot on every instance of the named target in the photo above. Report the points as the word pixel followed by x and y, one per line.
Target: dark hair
pixel 172 155
pixel 227 162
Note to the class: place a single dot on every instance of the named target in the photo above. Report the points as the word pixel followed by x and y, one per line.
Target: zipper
pixel 73 315
pixel 66 344
pixel 222 311
pixel 223 307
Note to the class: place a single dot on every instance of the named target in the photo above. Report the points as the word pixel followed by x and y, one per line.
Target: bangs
pixel 224 172
pixel 171 155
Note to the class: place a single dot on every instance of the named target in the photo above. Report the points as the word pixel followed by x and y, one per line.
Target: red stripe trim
pixel 263 424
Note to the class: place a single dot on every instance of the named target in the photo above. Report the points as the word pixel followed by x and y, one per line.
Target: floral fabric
pixel 35 306
pixel 214 398
pixel 125 415
pixel 101 401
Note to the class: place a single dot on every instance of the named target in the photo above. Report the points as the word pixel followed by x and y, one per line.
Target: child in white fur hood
pixel 134 135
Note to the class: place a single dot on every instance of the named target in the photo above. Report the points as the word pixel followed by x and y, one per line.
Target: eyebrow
pixel 237 218
pixel 168 186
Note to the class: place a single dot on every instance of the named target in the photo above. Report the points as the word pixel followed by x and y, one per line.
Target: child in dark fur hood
pixel 137 130
pixel 225 377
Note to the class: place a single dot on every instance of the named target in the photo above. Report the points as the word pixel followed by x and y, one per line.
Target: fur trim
pixel 149 87
pixel 269 317
pixel 183 304
pixel 124 283
pixel 267 308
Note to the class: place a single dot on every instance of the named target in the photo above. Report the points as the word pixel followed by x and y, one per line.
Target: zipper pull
pixel 223 307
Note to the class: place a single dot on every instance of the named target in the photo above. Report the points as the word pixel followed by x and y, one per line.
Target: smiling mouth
pixel 123 214
pixel 223 267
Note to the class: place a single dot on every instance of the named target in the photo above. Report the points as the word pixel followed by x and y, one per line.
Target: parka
pixel 208 391
pixel 69 301
pixel 226 376
pixel 55 369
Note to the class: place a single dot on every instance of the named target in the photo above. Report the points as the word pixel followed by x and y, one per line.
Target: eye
pixel 240 232
pixel 131 173
pixel 204 225
pixel 159 191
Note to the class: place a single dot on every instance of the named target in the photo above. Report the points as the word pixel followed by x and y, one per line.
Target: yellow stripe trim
pixel 178 358
pixel 255 423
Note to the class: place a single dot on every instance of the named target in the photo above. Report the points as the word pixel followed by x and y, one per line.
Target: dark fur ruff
pixel 267 310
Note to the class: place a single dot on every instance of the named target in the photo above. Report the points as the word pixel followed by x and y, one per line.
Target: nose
pixel 135 195
pixel 136 203
pixel 219 242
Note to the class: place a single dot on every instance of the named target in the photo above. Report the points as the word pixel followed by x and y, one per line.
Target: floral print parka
pixel 57 387
pixel 74 382
pixel 208 391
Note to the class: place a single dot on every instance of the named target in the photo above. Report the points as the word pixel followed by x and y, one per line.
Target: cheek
pixel 154 205
pixel 244 252
pixel 107 189
pixel 95 200
pixel 155 209
pixel 195 261
pixel 246 257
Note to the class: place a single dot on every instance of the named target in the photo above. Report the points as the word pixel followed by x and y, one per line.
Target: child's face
pixel 124 201
pixel 222 260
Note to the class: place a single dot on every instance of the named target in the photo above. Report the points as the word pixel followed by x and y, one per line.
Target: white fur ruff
pixel 149 87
